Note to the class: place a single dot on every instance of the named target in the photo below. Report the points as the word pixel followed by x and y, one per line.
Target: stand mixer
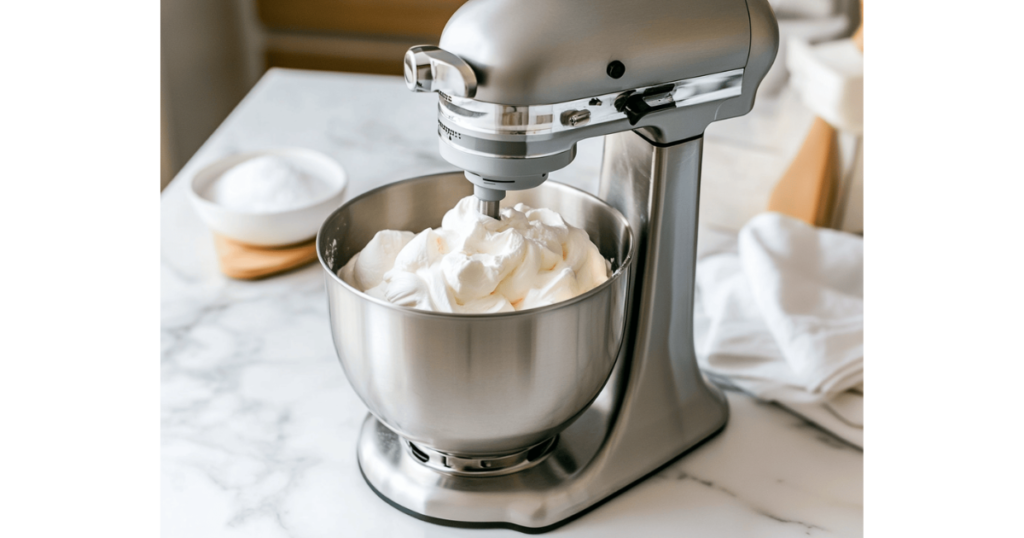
pixel 527 420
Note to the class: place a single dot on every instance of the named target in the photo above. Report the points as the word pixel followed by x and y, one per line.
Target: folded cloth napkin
pixel 779 314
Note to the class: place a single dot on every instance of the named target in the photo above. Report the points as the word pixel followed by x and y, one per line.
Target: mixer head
pixel 520 82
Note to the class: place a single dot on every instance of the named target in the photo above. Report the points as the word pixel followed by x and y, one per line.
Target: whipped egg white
pixel 476 264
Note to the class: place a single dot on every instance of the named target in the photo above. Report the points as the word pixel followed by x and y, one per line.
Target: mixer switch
pixel 638 105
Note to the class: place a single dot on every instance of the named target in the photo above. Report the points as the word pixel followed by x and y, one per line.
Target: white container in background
pixel 830 79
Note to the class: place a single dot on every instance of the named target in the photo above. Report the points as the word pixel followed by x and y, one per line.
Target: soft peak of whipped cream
pixel 476 264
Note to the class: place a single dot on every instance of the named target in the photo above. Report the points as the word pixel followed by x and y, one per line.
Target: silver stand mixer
pixel 529 419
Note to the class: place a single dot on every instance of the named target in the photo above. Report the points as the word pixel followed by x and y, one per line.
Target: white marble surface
pixel 260 425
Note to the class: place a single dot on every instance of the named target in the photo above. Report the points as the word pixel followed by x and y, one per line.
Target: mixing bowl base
pixel 461 465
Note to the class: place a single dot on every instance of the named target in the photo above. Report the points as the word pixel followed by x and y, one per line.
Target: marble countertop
pixel 259 424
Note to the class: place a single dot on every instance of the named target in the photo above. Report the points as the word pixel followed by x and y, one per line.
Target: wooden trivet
pixel 247 262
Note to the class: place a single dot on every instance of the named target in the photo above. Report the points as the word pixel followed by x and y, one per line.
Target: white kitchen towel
pixel 779 313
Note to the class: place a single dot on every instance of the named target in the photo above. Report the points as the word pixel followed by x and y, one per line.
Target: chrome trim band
pixel 479 153
pixel 490 118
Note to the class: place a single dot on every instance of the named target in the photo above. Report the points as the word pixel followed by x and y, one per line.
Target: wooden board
pixel 246 262
pixel 808 189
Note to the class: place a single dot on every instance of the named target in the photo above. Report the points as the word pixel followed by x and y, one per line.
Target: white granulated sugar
pixel 267 184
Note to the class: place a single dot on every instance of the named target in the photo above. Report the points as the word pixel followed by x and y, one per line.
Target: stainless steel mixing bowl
pixel 474 384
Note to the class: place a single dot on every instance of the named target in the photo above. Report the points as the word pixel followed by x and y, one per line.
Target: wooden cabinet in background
pixel 363 36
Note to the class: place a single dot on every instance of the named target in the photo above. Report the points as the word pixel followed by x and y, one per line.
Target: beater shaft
pixel 490 208
pixel 489 201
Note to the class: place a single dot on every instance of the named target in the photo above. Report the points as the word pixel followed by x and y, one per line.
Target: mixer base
pixel 513 526
pixel 585 469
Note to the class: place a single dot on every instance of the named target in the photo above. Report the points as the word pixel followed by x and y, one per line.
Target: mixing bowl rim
pixel 618 273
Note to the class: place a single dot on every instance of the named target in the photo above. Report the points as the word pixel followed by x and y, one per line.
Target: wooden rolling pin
pixel 809 189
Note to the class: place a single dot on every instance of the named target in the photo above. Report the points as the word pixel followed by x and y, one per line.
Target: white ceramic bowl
pixel 270 229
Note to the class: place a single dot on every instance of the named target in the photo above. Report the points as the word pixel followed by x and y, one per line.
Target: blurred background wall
pixel 213 51
pixel 210 57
